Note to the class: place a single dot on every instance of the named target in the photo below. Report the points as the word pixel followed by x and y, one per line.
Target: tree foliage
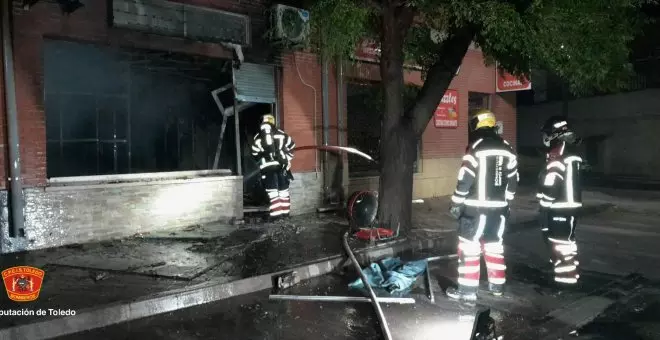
pixel 585 42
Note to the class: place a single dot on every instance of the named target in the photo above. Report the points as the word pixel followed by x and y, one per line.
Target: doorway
pixel 249 123
pixel 476 101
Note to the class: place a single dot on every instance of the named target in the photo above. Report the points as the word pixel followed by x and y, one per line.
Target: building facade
pixel 119 132
pixel 442 145
pixel 616 130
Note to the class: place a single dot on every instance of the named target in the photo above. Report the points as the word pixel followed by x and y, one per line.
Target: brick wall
pixel 302 105
pixel 443 148
pixel 504 106
pixel 473 76
pixel 306 192
pixel 58 216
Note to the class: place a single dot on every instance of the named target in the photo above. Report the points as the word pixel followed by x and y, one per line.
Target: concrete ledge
pixel 152 176
pixel 169 301
pixel 84 212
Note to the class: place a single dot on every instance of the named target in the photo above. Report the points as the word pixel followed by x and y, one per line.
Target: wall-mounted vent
pixel 179 20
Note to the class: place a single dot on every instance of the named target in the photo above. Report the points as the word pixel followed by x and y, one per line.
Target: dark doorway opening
pixel 476 101
pixel 250 120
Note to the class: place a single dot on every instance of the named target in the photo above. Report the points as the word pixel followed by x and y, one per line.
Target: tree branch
pixel 439 76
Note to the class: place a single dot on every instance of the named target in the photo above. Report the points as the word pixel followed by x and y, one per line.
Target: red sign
pixel 507 82
pixel 23 283
pixel 368 50
pixel 446 114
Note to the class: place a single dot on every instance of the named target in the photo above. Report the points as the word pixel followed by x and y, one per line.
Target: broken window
pixel 120 111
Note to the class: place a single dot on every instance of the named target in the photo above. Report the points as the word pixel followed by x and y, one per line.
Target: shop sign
pixel 507 82
pixel 368 50
pixel 446 114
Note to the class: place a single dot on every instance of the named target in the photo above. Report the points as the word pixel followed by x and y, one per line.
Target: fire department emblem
pixel 23 283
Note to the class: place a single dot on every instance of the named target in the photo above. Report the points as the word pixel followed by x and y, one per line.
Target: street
pixel 612 302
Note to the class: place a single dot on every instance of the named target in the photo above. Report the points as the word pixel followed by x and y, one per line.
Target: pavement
pixel 124 280
pixel 530 309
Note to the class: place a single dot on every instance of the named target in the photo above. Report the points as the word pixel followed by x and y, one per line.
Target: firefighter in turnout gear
pixel 487 182
pixel 273 149
pixel 560 198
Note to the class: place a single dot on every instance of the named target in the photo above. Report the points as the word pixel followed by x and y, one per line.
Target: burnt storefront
pixel 134 116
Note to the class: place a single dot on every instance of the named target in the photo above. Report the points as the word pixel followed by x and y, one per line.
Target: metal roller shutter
pixel 255 83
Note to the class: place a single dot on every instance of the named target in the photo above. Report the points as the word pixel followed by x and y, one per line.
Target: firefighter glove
pixel 456 211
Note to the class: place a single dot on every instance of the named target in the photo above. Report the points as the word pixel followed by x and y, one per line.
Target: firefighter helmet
pixel 556 128
pixel 268 119
pixel 483 118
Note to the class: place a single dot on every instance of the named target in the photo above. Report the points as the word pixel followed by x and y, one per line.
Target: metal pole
pixel 326 100
pixel 340 102
pixel 277 112
pixel 326 126
pixel 340 126
pixel 216 159
pixel 442 257
pixel 16 201
pixel 239 156
pixel 403 301
pixel 429 285
pixel 374 299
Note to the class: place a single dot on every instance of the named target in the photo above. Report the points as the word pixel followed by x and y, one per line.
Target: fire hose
pixel 374 299
pixel 332 148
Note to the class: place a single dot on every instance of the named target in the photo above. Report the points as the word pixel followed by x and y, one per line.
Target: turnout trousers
pixel 276 184
pixel 558 227
pixel 481 234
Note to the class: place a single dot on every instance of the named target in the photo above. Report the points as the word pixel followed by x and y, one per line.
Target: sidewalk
pixel 121 280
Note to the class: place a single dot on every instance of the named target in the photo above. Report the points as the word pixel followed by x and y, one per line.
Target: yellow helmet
pixel 482 118
pixel 268 119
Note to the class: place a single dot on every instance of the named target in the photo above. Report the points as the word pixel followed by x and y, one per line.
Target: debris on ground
pixel 392 275
pixel 98 276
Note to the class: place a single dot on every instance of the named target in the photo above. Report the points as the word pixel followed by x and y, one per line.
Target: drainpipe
pixel 16 187
pixel 340 124
pixel 340 104
pixel 326 122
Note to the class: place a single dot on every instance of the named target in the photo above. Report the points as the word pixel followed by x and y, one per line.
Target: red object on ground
pixel 374 234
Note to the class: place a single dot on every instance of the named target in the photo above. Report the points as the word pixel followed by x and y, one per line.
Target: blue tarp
pixel 391 275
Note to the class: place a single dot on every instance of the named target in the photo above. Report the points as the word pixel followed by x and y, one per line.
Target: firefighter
pixel 487 183
pixel 273 149
pixel 560 198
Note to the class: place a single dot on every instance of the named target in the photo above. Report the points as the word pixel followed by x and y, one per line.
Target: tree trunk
pixel 398 152
pixel 397 141
pixel 401 130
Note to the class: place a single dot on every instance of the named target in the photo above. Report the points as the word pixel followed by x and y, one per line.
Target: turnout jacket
pixel 560 187
pixel 272 147
pixel 488 177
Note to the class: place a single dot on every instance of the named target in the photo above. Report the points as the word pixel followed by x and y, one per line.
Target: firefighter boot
pixel 461 294
pixel 496 289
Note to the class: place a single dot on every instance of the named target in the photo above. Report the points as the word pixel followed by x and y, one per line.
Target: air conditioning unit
pixel 290 25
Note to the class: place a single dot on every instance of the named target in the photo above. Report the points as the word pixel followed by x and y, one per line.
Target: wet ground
pixel 87 276
pixel 614 241
pixel 255 317
pixel 621 308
